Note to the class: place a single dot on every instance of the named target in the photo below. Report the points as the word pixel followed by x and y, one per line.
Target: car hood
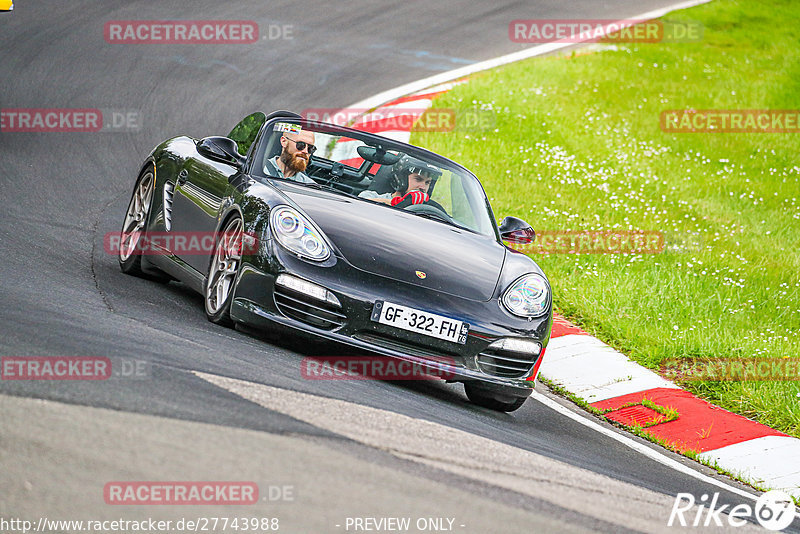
pixel 399 245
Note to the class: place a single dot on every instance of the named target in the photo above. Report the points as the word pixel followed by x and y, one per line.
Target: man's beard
pixel 296 163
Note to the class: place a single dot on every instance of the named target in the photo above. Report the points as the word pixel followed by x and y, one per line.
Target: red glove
pixel 412 197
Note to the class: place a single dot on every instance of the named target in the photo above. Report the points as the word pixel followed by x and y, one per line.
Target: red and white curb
pixel 598 374
pixel 608 380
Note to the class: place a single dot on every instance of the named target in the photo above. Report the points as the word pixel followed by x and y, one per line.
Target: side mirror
pixel 516 231
pixel 221 149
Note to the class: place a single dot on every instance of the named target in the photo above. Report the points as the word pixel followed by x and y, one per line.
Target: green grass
pixel 576 145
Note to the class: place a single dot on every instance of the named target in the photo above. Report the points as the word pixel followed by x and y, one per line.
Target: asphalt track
pixel 61 294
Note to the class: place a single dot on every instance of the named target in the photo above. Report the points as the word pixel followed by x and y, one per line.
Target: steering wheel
pixel 427 209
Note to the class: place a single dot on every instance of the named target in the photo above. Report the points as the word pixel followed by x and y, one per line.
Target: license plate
pixel 413 320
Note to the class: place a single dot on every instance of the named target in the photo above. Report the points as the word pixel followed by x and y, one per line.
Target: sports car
pixel 347 236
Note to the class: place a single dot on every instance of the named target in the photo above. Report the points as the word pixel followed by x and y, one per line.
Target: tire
pixel 134 226
pixel 222 271
pixel 484 398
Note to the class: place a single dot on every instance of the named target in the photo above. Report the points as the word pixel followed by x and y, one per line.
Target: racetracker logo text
pixel 69 120
pixel 374 368
pixel 734 370
pixel 181 32
pixel 593 242
pixel 55 368
pixel 180 493
pixel 72 368
pixel 603 31
pixel 730 121
pixel 177 243
pixel 404 119
pixel 50 120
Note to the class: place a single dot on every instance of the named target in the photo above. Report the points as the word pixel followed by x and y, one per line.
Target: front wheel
pixel 222 273
pixel 484 398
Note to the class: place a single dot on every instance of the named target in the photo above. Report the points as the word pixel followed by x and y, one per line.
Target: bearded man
pixel 296 149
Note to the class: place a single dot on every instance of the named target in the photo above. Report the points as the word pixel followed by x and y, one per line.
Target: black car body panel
pixel 358 228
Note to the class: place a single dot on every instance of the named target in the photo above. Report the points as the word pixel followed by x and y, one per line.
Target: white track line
pixel 638 447
pixel 425 83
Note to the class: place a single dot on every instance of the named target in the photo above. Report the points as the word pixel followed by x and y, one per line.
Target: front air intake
pixel 505 364
pixel 299 306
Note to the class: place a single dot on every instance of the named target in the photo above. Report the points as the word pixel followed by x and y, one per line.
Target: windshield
pixel 374 170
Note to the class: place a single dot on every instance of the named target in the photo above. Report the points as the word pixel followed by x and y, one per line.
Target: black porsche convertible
pixel 347 236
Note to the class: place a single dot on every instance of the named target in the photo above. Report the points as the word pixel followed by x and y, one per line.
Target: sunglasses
pixel 302 145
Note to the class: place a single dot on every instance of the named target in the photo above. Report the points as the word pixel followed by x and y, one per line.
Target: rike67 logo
pixel 774 510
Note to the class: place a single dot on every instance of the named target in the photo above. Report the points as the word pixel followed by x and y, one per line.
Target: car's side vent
pixel 505 364
pixel 299 306
pixel 169 193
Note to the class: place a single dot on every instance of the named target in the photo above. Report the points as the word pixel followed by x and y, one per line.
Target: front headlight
pixel 297 234
pixel 528 296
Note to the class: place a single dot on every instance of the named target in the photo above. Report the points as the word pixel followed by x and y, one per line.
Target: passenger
pixel 411 180
pixel 297 148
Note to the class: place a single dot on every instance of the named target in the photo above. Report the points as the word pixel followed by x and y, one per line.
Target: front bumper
pixel 257 304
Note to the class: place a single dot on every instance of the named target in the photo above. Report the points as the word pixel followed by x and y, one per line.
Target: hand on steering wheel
pixel 410 198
